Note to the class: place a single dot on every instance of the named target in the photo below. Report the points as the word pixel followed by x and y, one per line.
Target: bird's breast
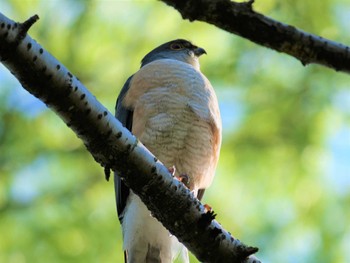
pixel 175 109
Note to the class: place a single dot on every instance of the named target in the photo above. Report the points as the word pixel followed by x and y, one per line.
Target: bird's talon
pixel 183 178
pixel 172 170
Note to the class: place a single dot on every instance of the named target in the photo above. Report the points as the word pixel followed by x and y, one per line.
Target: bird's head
pixel 178 49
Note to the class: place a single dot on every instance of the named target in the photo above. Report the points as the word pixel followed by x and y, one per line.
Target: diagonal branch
pixel 114 146
pixel 242 20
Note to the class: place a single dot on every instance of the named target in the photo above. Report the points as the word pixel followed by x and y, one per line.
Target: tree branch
pixel 114 146
pixel 240 19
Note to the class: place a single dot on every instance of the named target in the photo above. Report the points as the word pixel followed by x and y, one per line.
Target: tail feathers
pixel 153 255
pixel 183 256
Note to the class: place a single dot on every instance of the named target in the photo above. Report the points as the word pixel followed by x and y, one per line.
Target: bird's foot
pixel 172 170
pixel 184 178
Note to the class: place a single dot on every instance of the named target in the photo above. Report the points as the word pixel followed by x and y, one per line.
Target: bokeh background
pixel 283 181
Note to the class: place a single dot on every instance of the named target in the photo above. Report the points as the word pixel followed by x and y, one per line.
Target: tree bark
pixel 113 146
pixel 240 19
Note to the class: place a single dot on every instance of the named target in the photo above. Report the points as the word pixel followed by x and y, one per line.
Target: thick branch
pixel 114 146
pixel 240 19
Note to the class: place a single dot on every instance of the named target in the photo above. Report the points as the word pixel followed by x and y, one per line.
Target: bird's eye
pixel 176 46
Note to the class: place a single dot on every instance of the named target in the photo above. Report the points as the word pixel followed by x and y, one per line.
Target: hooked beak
pixel 199 51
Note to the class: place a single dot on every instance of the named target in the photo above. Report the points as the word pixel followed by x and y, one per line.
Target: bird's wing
pixel 124 115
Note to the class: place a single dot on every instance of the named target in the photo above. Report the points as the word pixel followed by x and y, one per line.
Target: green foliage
pixel 283 179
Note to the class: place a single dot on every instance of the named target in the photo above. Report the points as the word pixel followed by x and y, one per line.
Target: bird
pixel 172 108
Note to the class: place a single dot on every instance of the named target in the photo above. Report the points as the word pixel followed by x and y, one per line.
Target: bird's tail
pixel 154 256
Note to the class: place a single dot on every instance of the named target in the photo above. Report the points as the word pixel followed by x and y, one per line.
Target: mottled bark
pixel 242 20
